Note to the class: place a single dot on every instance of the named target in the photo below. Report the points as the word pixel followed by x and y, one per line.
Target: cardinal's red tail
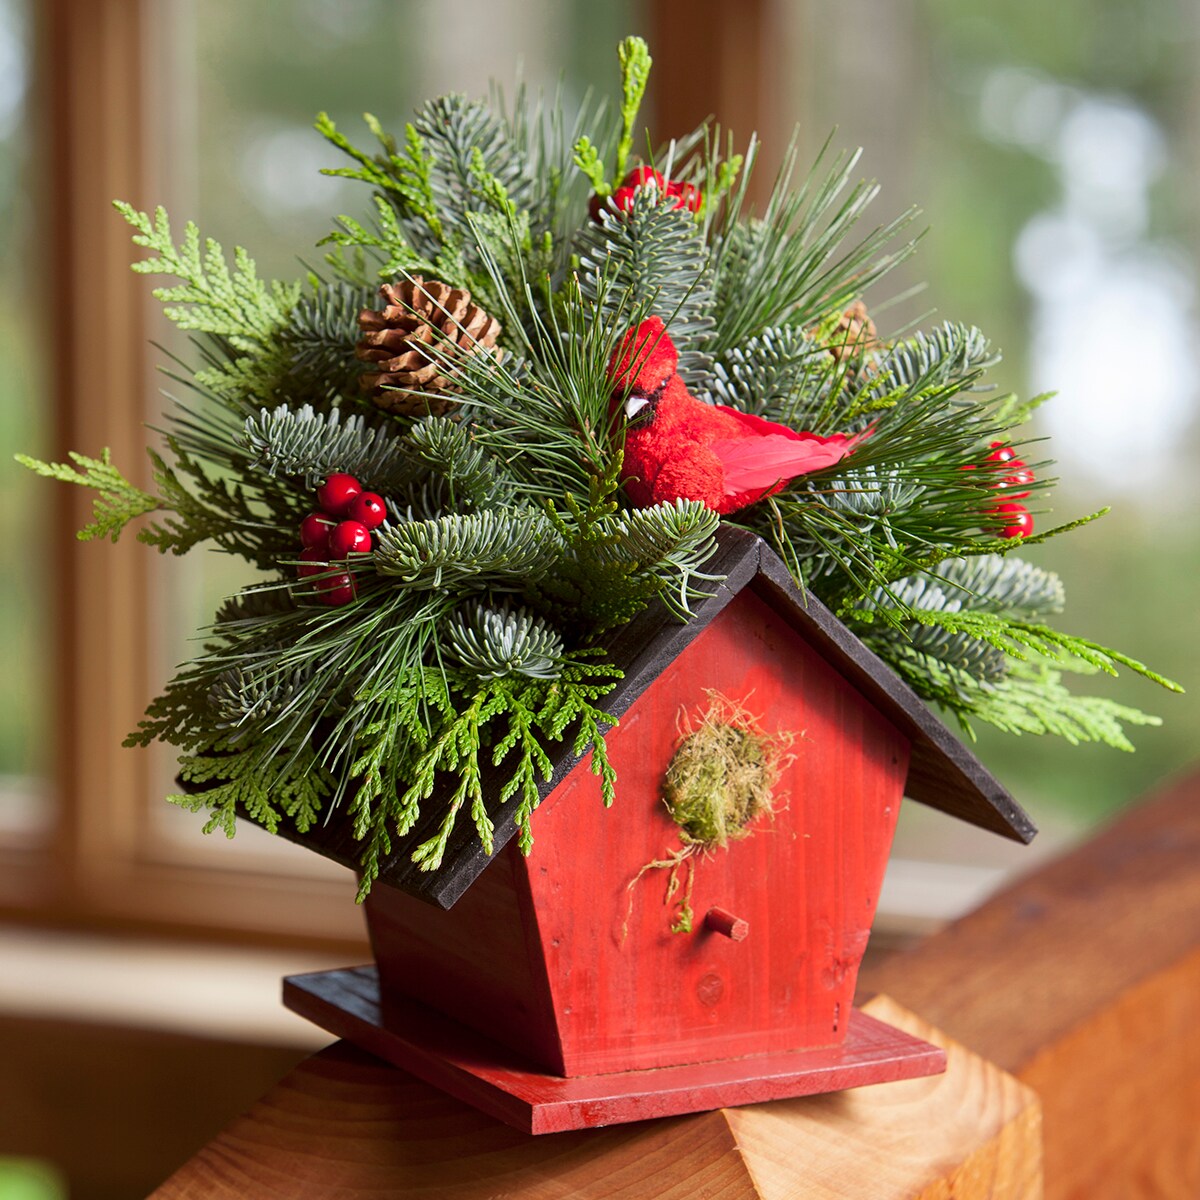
pixel 753 463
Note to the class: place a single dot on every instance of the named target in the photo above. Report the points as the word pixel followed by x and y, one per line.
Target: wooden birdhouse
pixel 559 990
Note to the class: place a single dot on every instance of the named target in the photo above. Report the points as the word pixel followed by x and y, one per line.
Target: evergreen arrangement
pixel 424 448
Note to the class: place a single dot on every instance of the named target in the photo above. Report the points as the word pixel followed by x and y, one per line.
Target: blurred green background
pixel 1052 149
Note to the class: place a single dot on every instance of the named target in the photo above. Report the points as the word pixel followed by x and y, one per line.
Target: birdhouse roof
pixel 942 772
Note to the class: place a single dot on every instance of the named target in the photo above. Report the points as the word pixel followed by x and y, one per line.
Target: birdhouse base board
pixel 495 1080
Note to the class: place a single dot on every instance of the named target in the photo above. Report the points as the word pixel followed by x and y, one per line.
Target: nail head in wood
pixel 725 923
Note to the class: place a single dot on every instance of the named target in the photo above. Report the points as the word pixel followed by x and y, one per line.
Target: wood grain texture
pixel 504 1084
pixel 971 1133
pixel 345 1126
pixel 1084 980
pixel 577 940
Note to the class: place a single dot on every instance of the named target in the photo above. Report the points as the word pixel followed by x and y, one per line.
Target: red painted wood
pixel 564 957
pixel 627 991
pixel 478 962
pixel 494 1079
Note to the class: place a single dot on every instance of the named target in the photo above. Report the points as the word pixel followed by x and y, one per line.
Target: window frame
pixel 98 68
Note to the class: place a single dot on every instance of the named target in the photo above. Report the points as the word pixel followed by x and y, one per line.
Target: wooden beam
pixel 343 1122
pixel 710 60
pixel 1083 980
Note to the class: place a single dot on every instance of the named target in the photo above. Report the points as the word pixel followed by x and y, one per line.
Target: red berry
pixel 350 537
pixel 367 509
pixel 640 176
pixel 688 196
pixel 336 492
pixel 1002 452
pixel 1018 521
pixel 336 590
pixel 1019 475
pixel 315 530
pixel 622 199
pixel 313 561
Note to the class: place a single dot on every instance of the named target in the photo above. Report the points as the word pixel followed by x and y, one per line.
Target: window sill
pixel 223 993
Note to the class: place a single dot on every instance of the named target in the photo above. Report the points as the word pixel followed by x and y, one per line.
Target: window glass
pixel 1053 152
pixel 242 88
pixel 24 426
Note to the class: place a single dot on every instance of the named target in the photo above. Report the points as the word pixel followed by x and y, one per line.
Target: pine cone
pixel 417 315
pixel 855 333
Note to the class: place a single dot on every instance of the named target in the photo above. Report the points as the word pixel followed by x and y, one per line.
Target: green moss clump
pixel 723 776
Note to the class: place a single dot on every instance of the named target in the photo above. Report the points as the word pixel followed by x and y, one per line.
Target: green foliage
pixel 118 502
pixel 969 641
pixel 210 298
pixel 782 371
pixel 787 267
pixel 654 256
pixel 497 548
pixel 313 445
pixel 318 344
pixel 617 562
pixel 213 508
pixel 264 788
pixel 464 475
pixel 949 354
pixel 474 644
pixel 491 643
pixel 635 60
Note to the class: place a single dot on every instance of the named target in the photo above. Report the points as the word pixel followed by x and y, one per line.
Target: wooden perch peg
pixel 721 921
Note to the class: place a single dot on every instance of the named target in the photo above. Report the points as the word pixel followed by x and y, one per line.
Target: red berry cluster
pixel 341 526
pixel 685 195
pixel 1017 519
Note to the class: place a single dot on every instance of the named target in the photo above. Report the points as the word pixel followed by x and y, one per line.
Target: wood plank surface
pixel 343 1125
pixel 499 1081
pixel 1083 980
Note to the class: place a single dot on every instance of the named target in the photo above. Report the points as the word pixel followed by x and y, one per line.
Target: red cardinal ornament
pixel 678 447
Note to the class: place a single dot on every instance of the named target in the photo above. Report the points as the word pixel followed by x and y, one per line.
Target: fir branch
pixel 300 441
pixel 1005 587
pixel 1002 584
pixel 1020 639
pixel 118 501
pixel 468 477
pixel 1031 699
pixel 781 371
pixel 319 342
pixel 492 643
pixel 652 256
pixel 613 564
pixel 951 353
pixel 222 510
pixel 504 549
pixel 455 129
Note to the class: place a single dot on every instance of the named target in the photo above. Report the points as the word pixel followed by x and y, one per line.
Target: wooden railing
pixel 1069 1003
pixel 1083 981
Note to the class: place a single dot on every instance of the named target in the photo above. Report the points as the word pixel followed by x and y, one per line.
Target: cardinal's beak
pixel 634 405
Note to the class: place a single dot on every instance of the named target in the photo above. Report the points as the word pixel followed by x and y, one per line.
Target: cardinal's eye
pixel 637 409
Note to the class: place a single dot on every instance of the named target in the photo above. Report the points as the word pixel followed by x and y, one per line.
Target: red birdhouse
pixel 557 991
